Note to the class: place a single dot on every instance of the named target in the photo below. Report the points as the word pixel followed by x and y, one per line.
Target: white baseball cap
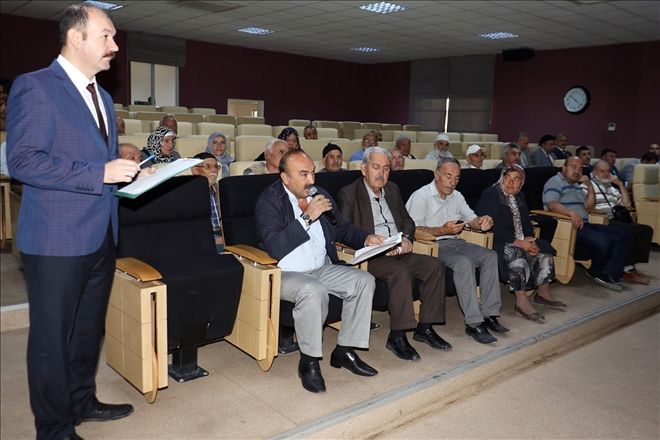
pixel 472 149
pixel 442 137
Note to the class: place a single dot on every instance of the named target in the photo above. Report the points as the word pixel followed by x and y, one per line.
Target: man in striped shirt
pixel 606 246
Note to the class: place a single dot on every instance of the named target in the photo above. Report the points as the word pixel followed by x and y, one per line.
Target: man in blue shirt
pixel 606 246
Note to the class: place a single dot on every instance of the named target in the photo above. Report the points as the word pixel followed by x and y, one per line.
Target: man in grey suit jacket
pixel 544 155
pixel 375 204
pixel 62 144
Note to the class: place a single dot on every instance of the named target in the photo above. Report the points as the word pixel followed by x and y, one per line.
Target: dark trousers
pixel 400 271
pixel 68 297
pixel 639 247
pixel 606 246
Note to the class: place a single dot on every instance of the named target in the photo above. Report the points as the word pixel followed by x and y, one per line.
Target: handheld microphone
pixel 328 214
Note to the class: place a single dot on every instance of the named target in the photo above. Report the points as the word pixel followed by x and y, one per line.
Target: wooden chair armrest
pixel 550 214
pixel 424 236
pixel 139 270
pixel 346 249
pixel 251 253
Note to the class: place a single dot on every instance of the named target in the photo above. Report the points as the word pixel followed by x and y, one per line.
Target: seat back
pixel 221 119
pixel 412 127
pixel 132 126
pixel 300 122
pixel 189 117
pixel 254 130
pixel 535 179
pixel 191 145
pixel 174 109
pixel 473 182
pixel 250 147
pixel 250 120
pixel 203 110
pixel 207 128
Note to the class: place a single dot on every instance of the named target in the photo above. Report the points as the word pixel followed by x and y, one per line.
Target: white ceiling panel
pixel 327 29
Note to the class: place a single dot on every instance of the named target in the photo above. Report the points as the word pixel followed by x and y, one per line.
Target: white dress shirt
pixel 311 254
pixel 80 81
pixel 427 208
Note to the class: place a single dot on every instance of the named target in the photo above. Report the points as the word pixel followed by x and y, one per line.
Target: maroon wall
pixel 292 86
pixel 624 86
pixel 27 44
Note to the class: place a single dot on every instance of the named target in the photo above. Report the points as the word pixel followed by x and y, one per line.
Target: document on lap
pixel 370 251
pixel 161 175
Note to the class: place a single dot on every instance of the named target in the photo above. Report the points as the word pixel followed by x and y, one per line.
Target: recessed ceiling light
pixel 383 8
pixel 256 31
pixel 365 49
pixel 498 35
pixel 104 5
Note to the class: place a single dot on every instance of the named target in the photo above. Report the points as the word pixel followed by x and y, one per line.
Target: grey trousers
pixel 309 292
pixel 463 258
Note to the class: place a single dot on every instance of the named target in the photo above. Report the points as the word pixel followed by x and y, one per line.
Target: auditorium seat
pixel 410 134
pixel 392 127
pixel 118 106
pixel 133 126
pixel 470 137
pixel 203 110
pixel 183 128
pixel 453 136
pixel 139 140
pixel 372 125
pixel 190 145
pixel 326 124
pixel 124 114
pixel 209 127
pixel 300 122
pixel 325 133
pixel 388 145
pixel 221 119
pixel 412 127
pixel 142 108
pixel 195 118
pixel 149 116
pixel 254 130
pixel 487 137
pixel 248 147
pixel 646 194
pixel 347 127
pixel 354 165
pixel 456 148
pixel 238 167
pixel 495 150
pixel 421 149
pixel 174 109
pixel 427 136
pixel 420 164
pixel 313 147
pixel 250 120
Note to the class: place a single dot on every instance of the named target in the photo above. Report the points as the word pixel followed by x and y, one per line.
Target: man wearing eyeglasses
pixel 209 169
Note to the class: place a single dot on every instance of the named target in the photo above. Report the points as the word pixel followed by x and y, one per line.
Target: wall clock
pixel 576 100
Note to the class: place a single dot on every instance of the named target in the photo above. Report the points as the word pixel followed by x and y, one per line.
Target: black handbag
pixel 619 213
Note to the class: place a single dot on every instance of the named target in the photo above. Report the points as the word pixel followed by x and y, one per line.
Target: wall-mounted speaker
pixel 523 54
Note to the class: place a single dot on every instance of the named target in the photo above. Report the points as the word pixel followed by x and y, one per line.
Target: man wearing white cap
pixel 440 148
pixel 474 156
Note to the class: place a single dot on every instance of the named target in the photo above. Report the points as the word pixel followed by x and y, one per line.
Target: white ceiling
pixel 428 29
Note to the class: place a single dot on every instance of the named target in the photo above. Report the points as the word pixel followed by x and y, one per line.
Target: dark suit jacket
pixel 279 233
pixel 491 203
pixel 354 204
pixel 55 148
pixel 540 159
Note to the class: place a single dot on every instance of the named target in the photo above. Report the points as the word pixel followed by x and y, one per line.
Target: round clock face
pixel 576 100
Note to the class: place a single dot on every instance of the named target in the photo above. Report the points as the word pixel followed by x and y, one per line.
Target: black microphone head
pixel 313 191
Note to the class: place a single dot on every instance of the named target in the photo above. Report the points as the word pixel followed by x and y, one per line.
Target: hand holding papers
pixel 162 174
pixel 370 251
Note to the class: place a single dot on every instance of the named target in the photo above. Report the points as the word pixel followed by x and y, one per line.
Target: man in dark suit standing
pixel 375 204
pixel 62 144
pixel 297 229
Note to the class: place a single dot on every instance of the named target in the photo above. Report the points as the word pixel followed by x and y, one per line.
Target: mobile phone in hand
pixel 459 221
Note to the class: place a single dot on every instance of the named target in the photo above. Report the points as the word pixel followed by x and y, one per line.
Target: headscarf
pixel 225 158
pixel 510 199
pixel 154 147
pixel 284 135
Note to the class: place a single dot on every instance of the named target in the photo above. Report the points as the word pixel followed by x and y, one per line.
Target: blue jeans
pixel 606 246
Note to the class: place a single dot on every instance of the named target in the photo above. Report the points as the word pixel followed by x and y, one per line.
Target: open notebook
pixel 163 173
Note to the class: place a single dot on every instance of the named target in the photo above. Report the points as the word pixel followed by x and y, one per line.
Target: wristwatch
pixel 307 219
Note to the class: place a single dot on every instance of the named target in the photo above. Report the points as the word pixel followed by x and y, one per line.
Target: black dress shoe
pixel 493 324
pixel 429 336
pixel 402 348
pixel 102 412
pixel 72 436
pixel 310 375
pixel 480 334
pixel 287 343
pixel 352 363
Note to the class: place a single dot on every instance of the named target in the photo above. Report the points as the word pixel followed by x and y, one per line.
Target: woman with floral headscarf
pixel 526 262
pixel 160 144
pixel 290 136
pixel 217 146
